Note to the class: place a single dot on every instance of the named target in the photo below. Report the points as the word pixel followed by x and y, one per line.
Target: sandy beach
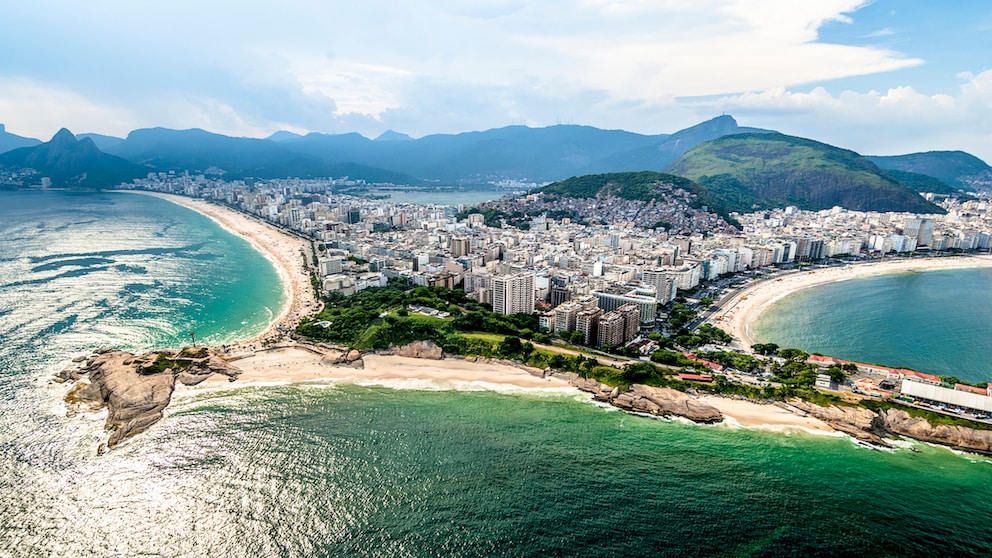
pixel 764 417
pixel 297 364
pixel 750 303
pixel 284 251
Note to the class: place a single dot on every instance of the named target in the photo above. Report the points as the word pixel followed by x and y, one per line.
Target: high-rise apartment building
pixel 514 294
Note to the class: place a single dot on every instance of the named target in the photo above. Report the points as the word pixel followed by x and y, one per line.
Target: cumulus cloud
pixel 898 120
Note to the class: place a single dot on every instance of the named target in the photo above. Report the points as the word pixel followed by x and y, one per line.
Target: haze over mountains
pixel 821 175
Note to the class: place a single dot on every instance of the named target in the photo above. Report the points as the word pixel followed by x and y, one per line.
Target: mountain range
pixel 71 162
pixel 523 154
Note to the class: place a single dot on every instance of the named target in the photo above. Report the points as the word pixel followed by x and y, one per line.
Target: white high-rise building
pixel 514 294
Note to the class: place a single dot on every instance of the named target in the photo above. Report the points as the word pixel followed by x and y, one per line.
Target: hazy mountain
pixel 283 136
pixel 390 135
pixel 105 143
pixel 200 151
pixel 955 168
pixel 513 152
pixel 757 171
pixel 70 162
pixel 10 141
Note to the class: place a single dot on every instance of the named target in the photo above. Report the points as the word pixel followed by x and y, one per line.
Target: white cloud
pixel 38 110
pixel 899 120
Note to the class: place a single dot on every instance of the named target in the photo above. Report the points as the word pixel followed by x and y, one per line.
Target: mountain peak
pixel 63 136
pixel 392 135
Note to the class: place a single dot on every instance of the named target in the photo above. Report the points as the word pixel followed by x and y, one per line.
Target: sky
pixel 880 77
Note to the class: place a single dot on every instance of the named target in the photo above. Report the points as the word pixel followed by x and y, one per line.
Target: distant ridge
pixel 390 135
pixel 955 168
pixel 525 155
pixel 69 162
pixel 10 141
pixel 760 171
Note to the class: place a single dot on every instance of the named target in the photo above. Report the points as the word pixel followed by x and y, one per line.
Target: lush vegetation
pixel 950 167
pixel 376 318
pixel 745 172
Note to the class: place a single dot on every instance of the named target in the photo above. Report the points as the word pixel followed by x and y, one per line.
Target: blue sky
pixel 882 77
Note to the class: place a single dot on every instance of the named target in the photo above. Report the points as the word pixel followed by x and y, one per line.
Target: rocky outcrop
pixel 418 349
pixel 650 400
pixel 865 424
pixel 861 423
pixel 136 389
pixel 900 422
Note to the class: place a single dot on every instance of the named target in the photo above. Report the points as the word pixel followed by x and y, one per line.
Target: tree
pixel 706 301
pixel 577 337
pixel 766 349
pixel 542 338
pixel 558 361
pixel 794 355
pixel 510 347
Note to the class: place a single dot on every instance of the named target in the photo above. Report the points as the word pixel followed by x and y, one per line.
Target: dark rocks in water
pixel 137 389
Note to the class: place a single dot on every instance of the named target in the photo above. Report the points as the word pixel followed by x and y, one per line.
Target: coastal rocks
pixel 970 439
pixel 650 400
pixel 419 349
pixel 136 389
pixel 858 422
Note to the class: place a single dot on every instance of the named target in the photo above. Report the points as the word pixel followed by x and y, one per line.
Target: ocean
pixel 329 470
pixel 939 322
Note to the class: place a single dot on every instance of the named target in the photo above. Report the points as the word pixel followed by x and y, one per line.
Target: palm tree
pixel 192 336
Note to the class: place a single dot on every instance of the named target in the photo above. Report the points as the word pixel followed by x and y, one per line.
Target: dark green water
pixel 324 470
pixel 937 321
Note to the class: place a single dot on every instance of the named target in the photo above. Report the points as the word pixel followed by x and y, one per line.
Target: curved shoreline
pixel 280 249
pixel 750 303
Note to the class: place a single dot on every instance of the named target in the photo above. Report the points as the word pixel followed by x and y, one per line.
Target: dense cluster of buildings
pixel 607 281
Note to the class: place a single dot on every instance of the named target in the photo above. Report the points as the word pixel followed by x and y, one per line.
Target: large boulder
pixel 419 349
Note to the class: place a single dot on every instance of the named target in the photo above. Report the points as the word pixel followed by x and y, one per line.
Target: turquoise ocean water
pixel 325 470
pixel 938 322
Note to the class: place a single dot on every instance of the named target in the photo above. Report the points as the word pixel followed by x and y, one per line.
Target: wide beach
pixel 738 314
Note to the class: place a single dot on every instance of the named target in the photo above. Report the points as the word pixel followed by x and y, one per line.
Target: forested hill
pixel 747 172
pixel 956 168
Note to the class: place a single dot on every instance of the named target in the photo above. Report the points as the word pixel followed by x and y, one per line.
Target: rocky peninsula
pixel 136 389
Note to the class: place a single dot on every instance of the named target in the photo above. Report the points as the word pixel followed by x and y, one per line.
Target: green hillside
pixel 951 167
pixel 760 171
